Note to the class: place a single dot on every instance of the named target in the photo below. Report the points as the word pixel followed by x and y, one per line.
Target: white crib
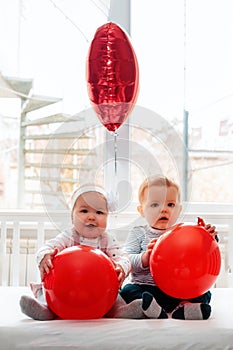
pixel 23 232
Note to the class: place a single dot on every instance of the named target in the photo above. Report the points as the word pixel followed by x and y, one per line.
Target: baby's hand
pixel 147 253
pixel 151 244
pixel 120 274
pixel 46 263
pixel 212 231
pixel 209 228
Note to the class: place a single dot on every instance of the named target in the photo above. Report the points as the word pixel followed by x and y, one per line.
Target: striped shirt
pixel 136 244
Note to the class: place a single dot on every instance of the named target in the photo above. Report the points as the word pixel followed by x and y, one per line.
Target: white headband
pixel 110 198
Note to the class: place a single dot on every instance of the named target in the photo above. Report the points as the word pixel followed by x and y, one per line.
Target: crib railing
pixel 23 232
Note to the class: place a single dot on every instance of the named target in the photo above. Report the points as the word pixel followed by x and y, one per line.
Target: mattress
pixel 17 331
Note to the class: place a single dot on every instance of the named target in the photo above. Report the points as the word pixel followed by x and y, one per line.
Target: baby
pixel 89 214
pixel 159 204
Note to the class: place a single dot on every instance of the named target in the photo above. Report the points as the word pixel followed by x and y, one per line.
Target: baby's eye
pixel 172 205
pixel 83 211
pixel 154 205
pixel 99 212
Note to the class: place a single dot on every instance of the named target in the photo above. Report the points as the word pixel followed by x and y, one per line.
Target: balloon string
pixel 115 175
pixel 115 154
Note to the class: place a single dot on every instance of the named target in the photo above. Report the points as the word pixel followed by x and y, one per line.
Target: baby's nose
pixel 91 216
pixel 164 209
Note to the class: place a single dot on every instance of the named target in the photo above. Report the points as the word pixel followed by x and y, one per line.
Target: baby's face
pixel 161 207
pixel 90 214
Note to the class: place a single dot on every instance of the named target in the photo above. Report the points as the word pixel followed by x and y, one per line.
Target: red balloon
pixel 112 75
pixel 82 285
pixel 185 261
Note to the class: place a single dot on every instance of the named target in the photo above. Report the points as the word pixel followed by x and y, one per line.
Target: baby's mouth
pixel 90 225
pixel 163 218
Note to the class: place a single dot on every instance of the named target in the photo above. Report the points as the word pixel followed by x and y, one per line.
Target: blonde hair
pixel 156 180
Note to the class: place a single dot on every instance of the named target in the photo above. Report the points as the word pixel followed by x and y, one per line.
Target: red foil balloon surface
pixel 83 283
pixel 112 75
pixel 185 262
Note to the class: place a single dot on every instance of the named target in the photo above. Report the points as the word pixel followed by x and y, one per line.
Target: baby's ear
pixel 140 210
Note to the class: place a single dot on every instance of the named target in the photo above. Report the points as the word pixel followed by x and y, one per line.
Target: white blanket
pixel 17 331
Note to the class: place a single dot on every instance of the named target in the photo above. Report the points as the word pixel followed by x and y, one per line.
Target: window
pixel 185 55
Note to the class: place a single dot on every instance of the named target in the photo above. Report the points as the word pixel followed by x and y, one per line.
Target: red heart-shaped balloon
pixel 112 75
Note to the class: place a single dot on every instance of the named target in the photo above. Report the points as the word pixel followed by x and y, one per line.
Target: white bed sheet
pixel 17 331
